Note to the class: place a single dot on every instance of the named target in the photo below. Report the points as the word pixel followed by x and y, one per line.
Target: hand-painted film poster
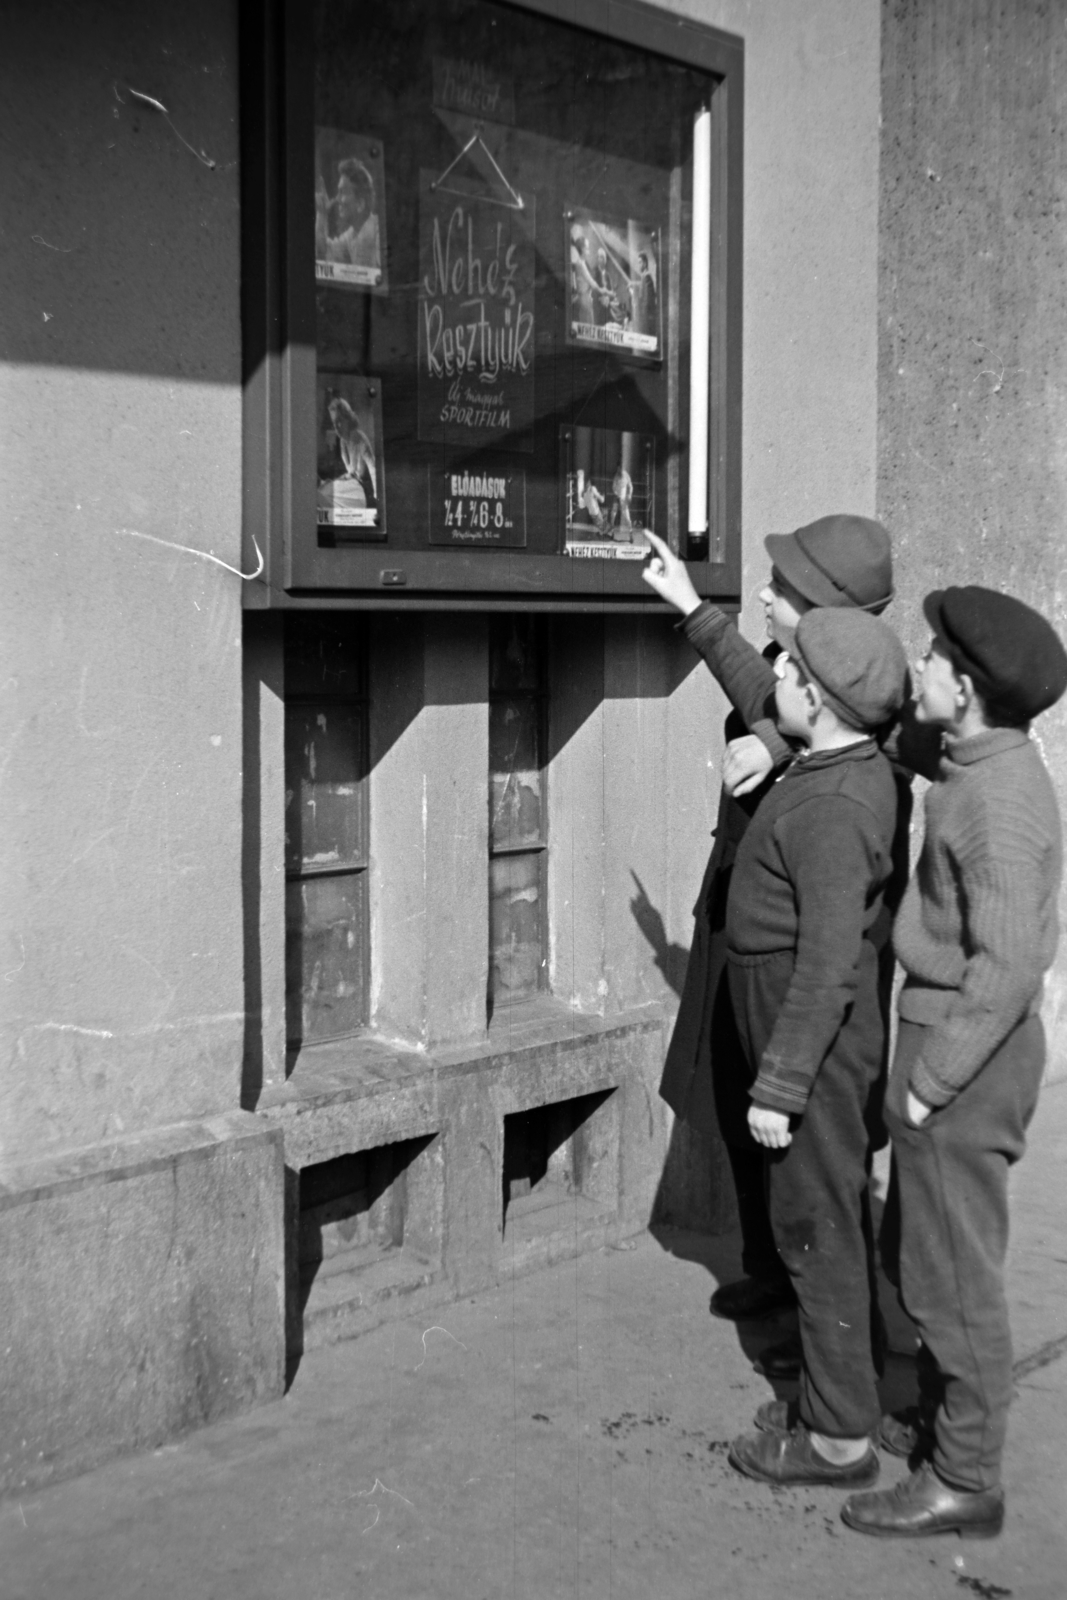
pixel 614 290
pixel 478 506
pixel 608 493
pixel 476 320
pixel 351 469
pixel 349 211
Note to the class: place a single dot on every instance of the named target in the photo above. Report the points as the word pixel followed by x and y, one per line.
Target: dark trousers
pixel 949 1191
pixel 819 1198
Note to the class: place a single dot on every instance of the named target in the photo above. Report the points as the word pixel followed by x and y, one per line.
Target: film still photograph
pixel 351 479
pixel 349 211
pixel 608 493
pixel 613 285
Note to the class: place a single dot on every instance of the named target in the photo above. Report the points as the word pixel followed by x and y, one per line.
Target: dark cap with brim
pixel 1012 655
pixel 857 661
pixel 837 561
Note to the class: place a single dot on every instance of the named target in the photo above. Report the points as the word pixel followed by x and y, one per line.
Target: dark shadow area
pixel 671 959
pixel 261 676
pixel 532 1138
pixel 342 1215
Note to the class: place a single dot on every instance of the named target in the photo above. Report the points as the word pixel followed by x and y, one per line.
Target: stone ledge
pixel 129 1156
pixel 383 1091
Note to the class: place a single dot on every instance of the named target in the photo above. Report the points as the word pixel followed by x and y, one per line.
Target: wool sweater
pixel 977 928
pixel 809 878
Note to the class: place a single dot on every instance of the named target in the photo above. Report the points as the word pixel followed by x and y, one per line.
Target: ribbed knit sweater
pixel 808 880
pixel 977 928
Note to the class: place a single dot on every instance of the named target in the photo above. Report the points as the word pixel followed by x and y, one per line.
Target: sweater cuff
pixel 927 1089
pixel 774 1097
pixel 706 619
pixel 767 733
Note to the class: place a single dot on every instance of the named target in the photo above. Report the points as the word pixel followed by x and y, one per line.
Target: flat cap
pixel 837 561
pixel 857 661
pixel 1011 654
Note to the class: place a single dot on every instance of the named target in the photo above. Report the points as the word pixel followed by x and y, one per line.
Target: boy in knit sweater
pixel 804 907
pixel 975 934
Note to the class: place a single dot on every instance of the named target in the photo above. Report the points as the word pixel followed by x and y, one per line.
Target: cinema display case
pixel 492 303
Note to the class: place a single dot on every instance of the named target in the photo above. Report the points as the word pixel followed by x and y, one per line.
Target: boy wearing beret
pixel 803 968
pixel 976 932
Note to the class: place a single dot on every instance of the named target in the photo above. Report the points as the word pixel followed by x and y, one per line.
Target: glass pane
pixel 514 775
pixel 324 802
pixel 325 957
pixel 324 657
pixel 516 952
pixel 514 653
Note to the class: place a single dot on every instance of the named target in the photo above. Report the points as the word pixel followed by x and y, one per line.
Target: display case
pixel 492 302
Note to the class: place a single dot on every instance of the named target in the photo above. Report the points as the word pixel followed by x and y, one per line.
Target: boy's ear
pixel 966 694
pixel 814 697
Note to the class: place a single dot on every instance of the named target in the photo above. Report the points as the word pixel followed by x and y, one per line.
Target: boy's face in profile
pixel 937 691
pixel 783 608
pixel 792 703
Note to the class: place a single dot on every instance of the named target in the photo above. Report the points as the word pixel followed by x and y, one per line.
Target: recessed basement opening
pixel 357 1210
pixel 561 1165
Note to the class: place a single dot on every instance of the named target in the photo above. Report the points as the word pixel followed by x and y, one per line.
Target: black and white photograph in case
pixel 349 210
pixel 613 285
pixel 608 493
pixel 351 476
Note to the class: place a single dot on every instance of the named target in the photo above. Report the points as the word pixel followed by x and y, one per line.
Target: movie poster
pixel 614 289
pixel 351 468
pixel 608 493
pixel 349 211
pixel 476 320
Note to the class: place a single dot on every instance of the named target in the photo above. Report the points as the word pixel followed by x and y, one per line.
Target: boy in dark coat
pixel 838 562
pixel 802 925
pixel 975 935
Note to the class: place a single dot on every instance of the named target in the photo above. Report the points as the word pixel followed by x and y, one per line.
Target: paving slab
pixel 565 1434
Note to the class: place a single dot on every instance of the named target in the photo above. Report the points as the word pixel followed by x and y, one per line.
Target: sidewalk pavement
pixel 563 1435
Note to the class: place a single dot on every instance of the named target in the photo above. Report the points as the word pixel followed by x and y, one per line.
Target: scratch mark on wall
pixel 361 1494
pixel 205 555
pixel 157 105
pixel 79 713
pixel 14 971
pixel 436 1329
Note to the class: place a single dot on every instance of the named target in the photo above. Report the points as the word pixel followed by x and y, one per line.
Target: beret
pixel 857 661
pixel 1011 654
pixel 836 561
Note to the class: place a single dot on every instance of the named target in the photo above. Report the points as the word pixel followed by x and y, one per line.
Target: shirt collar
pixel 990 742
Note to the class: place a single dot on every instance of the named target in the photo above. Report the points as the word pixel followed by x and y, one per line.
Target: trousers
pixel 819 1195
pixel 947 1224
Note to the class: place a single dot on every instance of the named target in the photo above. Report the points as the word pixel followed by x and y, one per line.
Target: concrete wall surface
pixel 143 1292
pixel 810 263
pixel 120 691
pixel 972 476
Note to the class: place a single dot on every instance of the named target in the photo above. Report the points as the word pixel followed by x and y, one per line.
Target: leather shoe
pixel 903 1434
pixel 782 1360
pixel 900 1434
pixel 750 1299
pixel 923 1505
pixel 791 1458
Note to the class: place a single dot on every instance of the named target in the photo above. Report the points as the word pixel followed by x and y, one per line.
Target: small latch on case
pixel 392 578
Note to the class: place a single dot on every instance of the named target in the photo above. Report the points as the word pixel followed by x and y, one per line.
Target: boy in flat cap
pixel 803 968
pixel 976 932
pixel 839 562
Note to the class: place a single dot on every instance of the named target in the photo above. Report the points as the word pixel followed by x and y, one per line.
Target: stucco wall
pixel 973 321
pixel 120 910
pixel 810 263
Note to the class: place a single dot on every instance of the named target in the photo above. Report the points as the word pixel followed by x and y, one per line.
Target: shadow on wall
pixel 671 959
